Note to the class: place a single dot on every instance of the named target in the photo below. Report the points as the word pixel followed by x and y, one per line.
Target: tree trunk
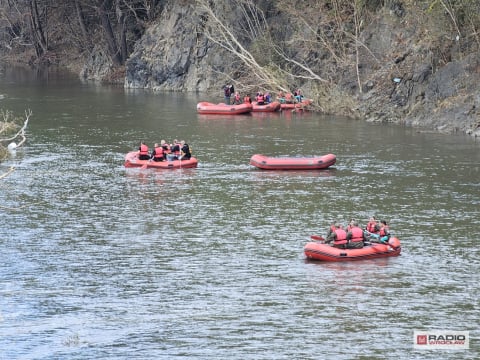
pixel 122 22
pixel 109 34
pixel 81 22
pixel 38 35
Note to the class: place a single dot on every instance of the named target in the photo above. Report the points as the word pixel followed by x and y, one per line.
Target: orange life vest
pixel 384 231
pixel 341 237
pixel 143 149
pixel 357 234
pixel 158 153
pixel 371 227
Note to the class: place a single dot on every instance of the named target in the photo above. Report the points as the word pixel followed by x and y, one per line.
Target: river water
pixel 99 261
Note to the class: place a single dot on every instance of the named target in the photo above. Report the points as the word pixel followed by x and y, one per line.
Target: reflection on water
pixel 100 261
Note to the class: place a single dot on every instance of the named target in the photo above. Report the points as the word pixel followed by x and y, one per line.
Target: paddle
pixel 144 166
pixel 317 238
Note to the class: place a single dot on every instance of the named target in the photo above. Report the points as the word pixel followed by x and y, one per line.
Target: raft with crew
pixel 318 250
pixel 132 160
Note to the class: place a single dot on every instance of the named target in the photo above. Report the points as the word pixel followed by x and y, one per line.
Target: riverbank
pixel 403 63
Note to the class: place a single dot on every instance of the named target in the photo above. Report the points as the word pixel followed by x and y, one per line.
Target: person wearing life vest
pixel 260 99
pixel 268 97
pixel 355 237
pixel 350 225
pixel 247 99
pixel 165 146
pixel 298 95
pixel 281 97
pixel 288 98
pixel 331 229
pixel 384 232
pixel 338 236
pixel 157 153
pixel 372 226
pixel 143 152
pixel 237 99
pixel 174 151
pixel 185 152
pixel 227 92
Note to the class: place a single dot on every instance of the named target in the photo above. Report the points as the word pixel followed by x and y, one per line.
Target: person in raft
pixel 355 237
pixel 281 97
pixel 228 91
pixel 185 152
pixel 350 224
pixel 237 100
pixel 338 235
pixel 143 152
pixel 165 146
pixel 383 234
pixel 260 98
pixel 174 151
pixel 247 99
pixel 157 153
pixel 289 98
pixel 372 226
pixel 331 229
pixel 298 95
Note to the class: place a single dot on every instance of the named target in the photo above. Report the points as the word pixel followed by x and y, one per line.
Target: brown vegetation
pixel 11 131
pixel 342 53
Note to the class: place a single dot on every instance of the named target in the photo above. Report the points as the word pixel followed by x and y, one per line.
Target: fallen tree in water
pixel 12 135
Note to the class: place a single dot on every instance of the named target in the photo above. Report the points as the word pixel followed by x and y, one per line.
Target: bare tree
pixel 267 73
pixel 12 135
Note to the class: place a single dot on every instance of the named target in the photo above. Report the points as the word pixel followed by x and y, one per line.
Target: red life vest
pixel 357 234
pixel 371 227
pixel 247 100
pixel 143 149
pixel 341 237
pixel 260 99
pixel 158 153
pixel 384 231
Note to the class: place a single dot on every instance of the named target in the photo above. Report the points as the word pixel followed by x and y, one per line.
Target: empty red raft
pixel 293 163
pixel 270 107
pixel 297 105
pixel 132 160
pixel 325 252
pixel 223 109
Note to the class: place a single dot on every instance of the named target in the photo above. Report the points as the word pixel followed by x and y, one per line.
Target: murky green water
pixel 99 261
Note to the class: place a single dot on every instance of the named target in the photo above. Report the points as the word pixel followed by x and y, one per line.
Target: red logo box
pixel 421 339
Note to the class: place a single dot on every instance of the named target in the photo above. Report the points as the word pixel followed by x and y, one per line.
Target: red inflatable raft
pixel 270 107
pixel 325 252
pixel 292 163
pixel 298 105
pixel 131 160
pixel 223 109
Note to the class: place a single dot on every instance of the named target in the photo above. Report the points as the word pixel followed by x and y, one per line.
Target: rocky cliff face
pixel 404 77
pixel 417 84
pixel 175 55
